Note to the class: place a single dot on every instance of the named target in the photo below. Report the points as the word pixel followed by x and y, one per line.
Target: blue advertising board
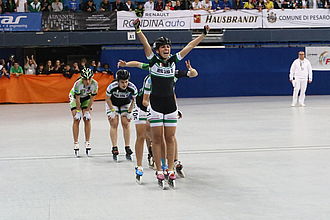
pixel 20 22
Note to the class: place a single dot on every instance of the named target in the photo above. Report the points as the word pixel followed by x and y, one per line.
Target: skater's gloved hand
pixel 206 30
pixel 87 116
pixel 78 115
pixel 112 114
pixel 136 24
pixel 129 116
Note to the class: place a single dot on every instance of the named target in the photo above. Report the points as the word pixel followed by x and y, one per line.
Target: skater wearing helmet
pixel 81 100
pixel 163 106
pixel 120 96
pixel 142 102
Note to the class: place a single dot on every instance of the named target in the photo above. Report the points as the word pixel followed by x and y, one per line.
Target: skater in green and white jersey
pixel 81 100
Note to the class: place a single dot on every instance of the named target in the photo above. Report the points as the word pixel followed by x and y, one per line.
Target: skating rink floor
pixel 245 158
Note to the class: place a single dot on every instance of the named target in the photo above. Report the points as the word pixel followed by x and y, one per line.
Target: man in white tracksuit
pixel 300 74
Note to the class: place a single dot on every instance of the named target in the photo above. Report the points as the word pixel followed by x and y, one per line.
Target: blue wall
pixel 230 72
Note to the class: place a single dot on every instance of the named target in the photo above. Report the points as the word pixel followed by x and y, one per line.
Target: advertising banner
pixel 155 20
pixel 319 57
pixel 75 21
pixel 226 19
pixel 20 22
pixel 302 18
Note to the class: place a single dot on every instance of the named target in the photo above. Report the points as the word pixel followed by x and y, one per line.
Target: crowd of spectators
pixel 30 67
pixel 157 5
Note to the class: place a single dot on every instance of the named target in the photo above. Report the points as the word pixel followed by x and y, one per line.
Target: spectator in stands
pixel 324 4
pixel 57 6
pixel 178 5
pixel 75 68
pixel 149 5
pixel 206 5
pixel 67 71
pixel 196 5
pixel 11 6
pixel 11 60
pixel 73 5
pixel 216 5
pixel 35 6
pixel 277 4
pixel 45 6
pixel 249 5
pixel 3 71
pixel 226 5
pixel 16 69
pixel 129 6
pixel 41 69
pixel 159 5
pixel 99 67
pixel 93 66
pixel 117 6
pixel 83 64
pixel 168 6
pixel 30 66
pixel 139 10
pixel 288 4
pixel 49 67
pixel 2 10
pixel 303 4
pixel 105 5
pixel 21 5
pixel 58 68
pixel 107 69
pixel 185 4
pixel 89 6
pixel 238 4
pixel 259 5
pixel 269 5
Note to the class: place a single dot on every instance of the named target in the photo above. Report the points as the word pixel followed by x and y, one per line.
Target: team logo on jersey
pixel 271 17
pixel 121 95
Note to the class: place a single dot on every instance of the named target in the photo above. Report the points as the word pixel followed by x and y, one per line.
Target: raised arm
pixel 137 64
pixel 142 38
pixel 194 42
pixel 122 63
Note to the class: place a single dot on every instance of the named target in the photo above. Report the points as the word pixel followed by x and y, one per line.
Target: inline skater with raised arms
pixel 163 106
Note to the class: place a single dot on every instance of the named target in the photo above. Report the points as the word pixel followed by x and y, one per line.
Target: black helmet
pixel 160 42
pixel 87 73
pixel 122 75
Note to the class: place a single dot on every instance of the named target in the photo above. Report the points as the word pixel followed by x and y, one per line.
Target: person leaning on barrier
pixel 35 6
pixel 57 6
pixel 129 6
pixel 30 66
pixel 237 4
pixel 89 6
pixel 249 5
pixel 3 71
pixel 105 5
pixel 16 69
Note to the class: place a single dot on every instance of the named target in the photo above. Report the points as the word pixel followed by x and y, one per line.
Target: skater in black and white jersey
pixel 120 96
pixel 191 72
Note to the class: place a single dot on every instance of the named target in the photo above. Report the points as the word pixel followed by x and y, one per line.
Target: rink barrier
pixel 45 88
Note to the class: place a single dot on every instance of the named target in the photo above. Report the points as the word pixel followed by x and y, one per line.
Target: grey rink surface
pixel 245 158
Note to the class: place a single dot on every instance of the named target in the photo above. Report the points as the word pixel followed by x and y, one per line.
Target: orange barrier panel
pixel 45 88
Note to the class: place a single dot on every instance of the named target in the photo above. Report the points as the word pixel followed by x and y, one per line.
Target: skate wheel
pixel 171 183
pixel 181 174
pixel 138 179
pixel 76 152
pixel 161 184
